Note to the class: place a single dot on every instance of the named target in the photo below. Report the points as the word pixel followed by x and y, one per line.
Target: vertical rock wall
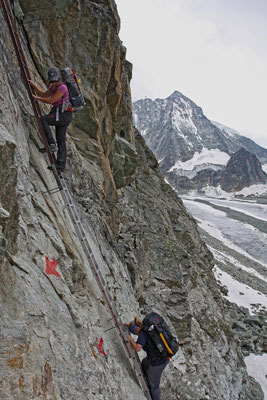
pixel 55 337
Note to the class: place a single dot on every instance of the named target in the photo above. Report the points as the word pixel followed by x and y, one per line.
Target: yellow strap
pixel 167 347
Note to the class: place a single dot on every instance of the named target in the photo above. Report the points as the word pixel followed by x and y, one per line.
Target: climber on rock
pixel 59 116
pixel 152 365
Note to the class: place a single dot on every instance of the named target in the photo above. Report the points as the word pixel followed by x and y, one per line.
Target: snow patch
pixel 251 209
pixel 225 129
pixel 212 230
pixel 135 118
pixel 213 156
pixel 255 190
pixel 217 192
pixel 239 293
pixel 192 173
pixel 257 367
pixel 222 257
pixel 143 131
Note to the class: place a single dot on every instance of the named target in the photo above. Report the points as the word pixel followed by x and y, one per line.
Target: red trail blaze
pixel 51 267
pixel 100 344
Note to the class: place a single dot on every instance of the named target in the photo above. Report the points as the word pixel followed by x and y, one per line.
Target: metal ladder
pixel 72 211
pixel 122 330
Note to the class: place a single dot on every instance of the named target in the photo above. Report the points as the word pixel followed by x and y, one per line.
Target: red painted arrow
pixel 100 344
pixel 51 267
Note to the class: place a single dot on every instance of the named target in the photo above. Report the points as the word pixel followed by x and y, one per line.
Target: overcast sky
pixel 212 51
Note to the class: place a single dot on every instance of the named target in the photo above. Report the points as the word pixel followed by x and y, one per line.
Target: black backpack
pixel 69 77
pixel 166 345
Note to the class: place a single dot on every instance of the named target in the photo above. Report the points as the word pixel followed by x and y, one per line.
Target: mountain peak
pixel 175 94
pixel 180 135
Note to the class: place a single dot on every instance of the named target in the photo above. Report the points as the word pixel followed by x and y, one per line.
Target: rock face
pixel 192 151
pixel 242 170
pixel 55 336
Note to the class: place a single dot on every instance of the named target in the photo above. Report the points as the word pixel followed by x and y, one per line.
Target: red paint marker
pixel 100 344
pixel 51 267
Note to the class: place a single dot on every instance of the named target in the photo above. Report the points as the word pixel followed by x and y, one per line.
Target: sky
pixel 212 51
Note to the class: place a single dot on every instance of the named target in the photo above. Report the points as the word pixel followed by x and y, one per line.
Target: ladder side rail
pixel 111 306
pixel 136 365
pixel 18 49
pixel 93 264
pixel 133 356
pixel 86 247
pixel 135 361
pixel 25 73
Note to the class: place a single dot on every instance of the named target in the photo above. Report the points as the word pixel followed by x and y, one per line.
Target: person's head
pixel 135 326
pixel 53 75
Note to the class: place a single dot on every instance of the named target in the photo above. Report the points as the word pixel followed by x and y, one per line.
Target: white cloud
pixel 213 52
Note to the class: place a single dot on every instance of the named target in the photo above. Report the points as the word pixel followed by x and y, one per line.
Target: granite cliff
pixel 55 337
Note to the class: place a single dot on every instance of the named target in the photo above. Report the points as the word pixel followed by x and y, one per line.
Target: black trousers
pixel 61 130
pixel 153 375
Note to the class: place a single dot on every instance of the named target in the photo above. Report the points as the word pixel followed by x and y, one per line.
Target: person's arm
pixel 50 100
pixel 39 91
pixel 136 346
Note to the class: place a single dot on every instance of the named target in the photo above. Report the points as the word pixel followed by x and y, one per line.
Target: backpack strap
pixel 57 114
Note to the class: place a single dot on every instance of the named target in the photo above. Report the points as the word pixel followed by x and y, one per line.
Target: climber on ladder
pixel 152 365
pixel 59 116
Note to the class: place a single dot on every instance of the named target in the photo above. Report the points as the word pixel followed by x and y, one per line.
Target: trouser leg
pixel 46 121
pixel 145 365
pixel 61 144
pixel 153 376
pixel 61 129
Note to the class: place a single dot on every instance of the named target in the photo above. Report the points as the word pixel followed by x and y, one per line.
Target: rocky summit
pixel 243 169
pixel 192 150
pixel 57 340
